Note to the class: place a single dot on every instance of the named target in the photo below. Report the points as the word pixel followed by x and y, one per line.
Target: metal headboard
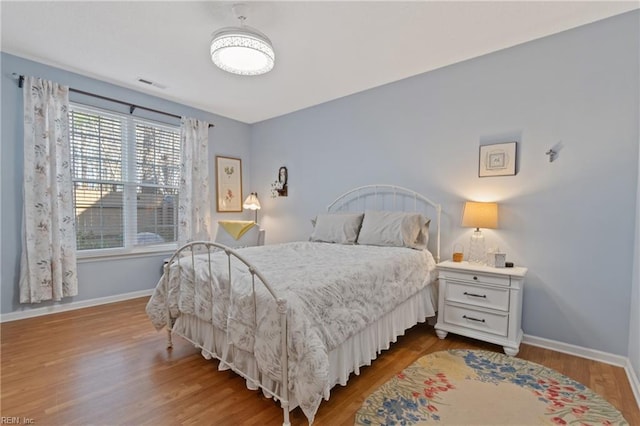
pixel 387 197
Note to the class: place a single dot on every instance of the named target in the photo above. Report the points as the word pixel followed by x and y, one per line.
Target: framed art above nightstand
pixel 481 302
pixel 498 159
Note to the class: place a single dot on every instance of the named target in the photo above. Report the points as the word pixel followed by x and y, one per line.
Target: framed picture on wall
pixel 228 184
pixel 497 159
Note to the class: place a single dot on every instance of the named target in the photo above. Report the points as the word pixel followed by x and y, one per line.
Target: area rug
pixel 469 387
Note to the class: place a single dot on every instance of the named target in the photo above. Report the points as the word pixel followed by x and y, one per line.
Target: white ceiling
pixel 324 50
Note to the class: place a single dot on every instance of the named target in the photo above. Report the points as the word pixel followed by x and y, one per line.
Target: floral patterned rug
pixel 469 387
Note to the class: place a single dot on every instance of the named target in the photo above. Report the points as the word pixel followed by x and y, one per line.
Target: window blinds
pixel 126 174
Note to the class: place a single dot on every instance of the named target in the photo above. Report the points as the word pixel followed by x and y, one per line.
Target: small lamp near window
pixel 479 215
pixel 252 203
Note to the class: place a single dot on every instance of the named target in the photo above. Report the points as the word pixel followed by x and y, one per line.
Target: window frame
pixel 129 181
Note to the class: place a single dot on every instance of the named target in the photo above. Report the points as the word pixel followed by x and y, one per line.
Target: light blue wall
pixel 634 316
pixel 105 277
pixel 571 221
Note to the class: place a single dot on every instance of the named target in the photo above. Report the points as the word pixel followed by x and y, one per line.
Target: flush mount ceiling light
pixel 242 50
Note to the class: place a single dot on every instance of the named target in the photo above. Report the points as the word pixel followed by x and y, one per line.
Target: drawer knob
pixel 484 296
pixel 472 319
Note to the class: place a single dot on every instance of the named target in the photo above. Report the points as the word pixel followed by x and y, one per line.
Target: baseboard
pixel 607 358
pixel 633 380
pixel 53 309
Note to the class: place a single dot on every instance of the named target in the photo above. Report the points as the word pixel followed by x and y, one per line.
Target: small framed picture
pixel 228 184
pixel 497 159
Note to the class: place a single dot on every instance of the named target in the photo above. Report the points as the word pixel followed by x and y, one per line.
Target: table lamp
pixel 252 203
pixel 479 215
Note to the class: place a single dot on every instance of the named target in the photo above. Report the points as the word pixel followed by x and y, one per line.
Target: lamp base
pixel 477 251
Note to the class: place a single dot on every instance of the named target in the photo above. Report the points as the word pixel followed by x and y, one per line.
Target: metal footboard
pixel 189 251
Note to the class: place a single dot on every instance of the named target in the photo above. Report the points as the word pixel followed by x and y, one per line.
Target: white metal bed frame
pixel 363 197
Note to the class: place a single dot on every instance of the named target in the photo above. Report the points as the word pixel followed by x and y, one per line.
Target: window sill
pixel 85 256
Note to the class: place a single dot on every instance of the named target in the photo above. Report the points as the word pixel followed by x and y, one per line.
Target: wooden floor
pixel 107 365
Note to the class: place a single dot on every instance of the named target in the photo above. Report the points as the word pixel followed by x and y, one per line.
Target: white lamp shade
pixel 252 202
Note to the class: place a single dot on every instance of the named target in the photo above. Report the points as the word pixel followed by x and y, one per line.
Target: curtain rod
pixel 132 107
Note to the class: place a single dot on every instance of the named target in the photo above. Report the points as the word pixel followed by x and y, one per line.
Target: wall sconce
pixel 479 215
pixel 279 187
pixel 252 203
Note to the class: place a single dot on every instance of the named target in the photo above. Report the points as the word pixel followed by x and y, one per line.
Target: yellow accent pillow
pixel 236 228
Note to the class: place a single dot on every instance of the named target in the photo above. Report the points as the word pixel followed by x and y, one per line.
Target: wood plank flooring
pixel 107 365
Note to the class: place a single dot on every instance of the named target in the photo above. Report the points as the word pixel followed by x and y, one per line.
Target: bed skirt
pixel 357 351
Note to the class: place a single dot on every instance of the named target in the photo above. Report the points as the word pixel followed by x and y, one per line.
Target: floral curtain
pixel 194 212
pixel 48 263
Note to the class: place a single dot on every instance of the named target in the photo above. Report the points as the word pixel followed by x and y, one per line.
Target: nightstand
pixel 481 302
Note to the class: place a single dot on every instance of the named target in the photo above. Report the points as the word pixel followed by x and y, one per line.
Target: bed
pixel 295 319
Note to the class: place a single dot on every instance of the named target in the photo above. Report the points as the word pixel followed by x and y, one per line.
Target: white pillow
pixel 394 229
pixel 339 228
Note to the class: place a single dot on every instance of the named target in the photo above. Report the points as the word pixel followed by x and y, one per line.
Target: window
pixel 125 175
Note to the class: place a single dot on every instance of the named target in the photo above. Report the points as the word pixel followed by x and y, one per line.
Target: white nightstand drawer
pixel 489 297
pixel 482 302
pixel 477 320
pixel 479 278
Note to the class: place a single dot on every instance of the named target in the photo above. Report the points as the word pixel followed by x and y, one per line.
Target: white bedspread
pixel 332 290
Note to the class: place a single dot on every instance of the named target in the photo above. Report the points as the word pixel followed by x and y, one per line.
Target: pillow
pixel 394 229
pixel 339 228
pixel 250 237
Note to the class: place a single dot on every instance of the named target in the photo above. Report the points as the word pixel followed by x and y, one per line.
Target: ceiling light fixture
pixel 242 50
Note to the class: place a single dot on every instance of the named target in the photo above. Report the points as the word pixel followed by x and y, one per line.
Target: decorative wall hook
pixel 552 155
pixel 554 151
